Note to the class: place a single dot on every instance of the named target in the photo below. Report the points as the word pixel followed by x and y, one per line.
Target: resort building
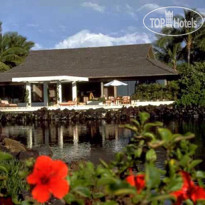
pixel 52 77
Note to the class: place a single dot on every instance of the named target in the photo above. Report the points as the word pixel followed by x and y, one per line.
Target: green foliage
pixel 192 84
pixel 13 49
pixel 156 91
pixel 12 177
pixel 188 48
pixel 106 184
pixel 101 99
pixel 188 90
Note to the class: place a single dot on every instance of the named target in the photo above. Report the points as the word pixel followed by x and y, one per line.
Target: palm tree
pixel 191 44
pixel 13 49
pixel 168 48
pixel 174 55
pixel 190 38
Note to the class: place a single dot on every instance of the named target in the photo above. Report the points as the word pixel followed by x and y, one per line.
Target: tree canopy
pixel 192 84
pixel 13 49
pixel 189 48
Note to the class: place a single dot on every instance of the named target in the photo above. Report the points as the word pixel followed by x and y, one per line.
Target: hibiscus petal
pixel 41 193
pixel 140 182
pixel 198 193
pixel 43 162
pixel 42 168
pixel 59 188
pixel 60 168
pixel 131 180
pixel 187 180
pixel 33 178
pixel 177 193
pixel 180 197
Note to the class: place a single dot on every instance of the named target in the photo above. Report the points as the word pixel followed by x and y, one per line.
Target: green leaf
pixel 200 174
pixel 119 187
pixel 131 127
pixel 26 202
pixel 103 163
pixel 119 156
pixel 144 116
pixel 5 156
pixel 82 191
pixel 148 126
pixel 185 160
pixel 152 176
pixel 125 191
pixel 179 137
pixel 71 199
pixel 194 163
pixel 106 180
pixel 151 155
pixel 149 135
pixel 165 134
pixel 138 152
pixel 135 122
pixel 189 202
pixel 174 184
pixel 3 169
pixel 179 154
pixel 98 195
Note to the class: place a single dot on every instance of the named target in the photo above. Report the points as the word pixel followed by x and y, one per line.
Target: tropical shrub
pixel 156 91
pixel 133 177
pixel 12 177
pixel 192 85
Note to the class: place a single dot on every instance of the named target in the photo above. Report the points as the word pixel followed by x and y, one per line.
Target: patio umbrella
pixel 115 84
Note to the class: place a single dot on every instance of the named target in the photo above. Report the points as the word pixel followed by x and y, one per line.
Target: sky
pixel 57 24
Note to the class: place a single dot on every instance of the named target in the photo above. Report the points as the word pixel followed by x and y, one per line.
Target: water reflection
pixel 72 142
pixel 90 141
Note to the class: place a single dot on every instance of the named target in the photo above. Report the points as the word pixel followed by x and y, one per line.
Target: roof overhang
pixel 63 78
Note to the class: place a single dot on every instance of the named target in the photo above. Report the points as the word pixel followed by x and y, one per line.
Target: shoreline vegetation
pixel 123 114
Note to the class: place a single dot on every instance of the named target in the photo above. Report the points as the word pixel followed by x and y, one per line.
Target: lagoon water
pixel 93 140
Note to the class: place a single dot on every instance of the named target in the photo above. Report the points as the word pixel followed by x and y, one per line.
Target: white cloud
pixel 202 11
pixel 127 9
pixel 130 10
pixel 150 7
pixel 37 47
pixel 85 38
pixel 94 6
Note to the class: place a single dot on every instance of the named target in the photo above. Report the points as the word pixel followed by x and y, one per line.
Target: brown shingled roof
pixel 98 62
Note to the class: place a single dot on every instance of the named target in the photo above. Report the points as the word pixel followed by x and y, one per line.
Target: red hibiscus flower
pixel 137 181
pixel 49 178
pixel 188 191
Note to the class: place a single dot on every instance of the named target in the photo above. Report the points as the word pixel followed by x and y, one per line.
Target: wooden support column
pixel 102 89
pixel 59 92
pixel 74 91
pixel 28 94
pixel 45 93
